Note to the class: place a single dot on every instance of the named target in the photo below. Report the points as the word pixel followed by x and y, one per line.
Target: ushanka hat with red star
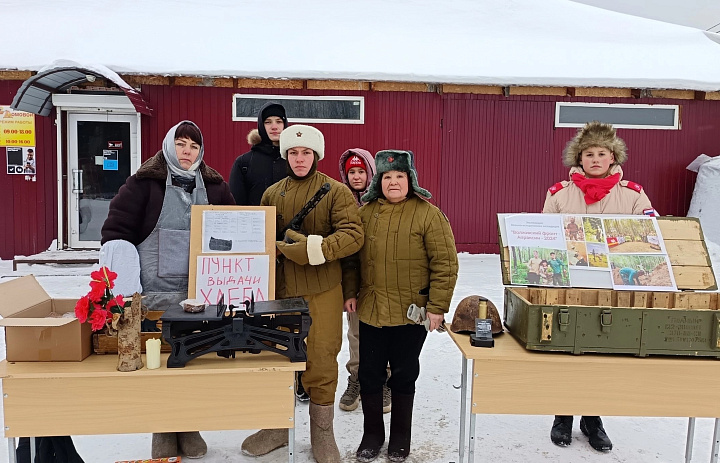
pixel 387 160
pixel 302 136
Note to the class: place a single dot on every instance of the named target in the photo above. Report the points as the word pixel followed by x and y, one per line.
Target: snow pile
pixel 496 42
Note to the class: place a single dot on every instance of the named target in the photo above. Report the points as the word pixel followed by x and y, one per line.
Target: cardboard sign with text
pixel 221 269
pixel 236 276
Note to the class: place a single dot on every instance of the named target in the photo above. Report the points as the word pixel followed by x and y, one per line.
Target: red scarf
pixel 595 189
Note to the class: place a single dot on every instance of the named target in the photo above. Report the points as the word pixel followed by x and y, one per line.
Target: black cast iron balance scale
pixel 278 326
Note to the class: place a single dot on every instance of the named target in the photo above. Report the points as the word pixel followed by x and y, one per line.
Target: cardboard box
pixel 29 335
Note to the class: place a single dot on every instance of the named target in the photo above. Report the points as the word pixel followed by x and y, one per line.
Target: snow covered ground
pixel 499 438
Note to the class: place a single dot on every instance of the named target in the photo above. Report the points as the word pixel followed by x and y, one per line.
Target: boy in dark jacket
pixel 253 172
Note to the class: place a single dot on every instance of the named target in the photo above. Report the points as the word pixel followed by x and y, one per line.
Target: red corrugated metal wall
pixel 501 154
pixel 392 120
pixel 478 154
pixel 28 210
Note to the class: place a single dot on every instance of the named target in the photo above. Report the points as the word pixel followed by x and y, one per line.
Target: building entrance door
pixel 102 154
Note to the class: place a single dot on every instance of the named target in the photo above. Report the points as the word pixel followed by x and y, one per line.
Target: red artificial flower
pixel 97 290
pixel 81 309
pixel 97 306
pixel 116 301
pixel 105 276
pixel 97 319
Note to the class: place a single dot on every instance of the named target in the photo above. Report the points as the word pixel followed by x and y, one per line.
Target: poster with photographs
pixel 587 251
pixel 21 160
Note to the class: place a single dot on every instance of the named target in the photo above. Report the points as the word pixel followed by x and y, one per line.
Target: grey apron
pixel 165 253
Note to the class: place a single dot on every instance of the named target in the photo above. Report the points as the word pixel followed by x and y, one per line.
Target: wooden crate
pixel 608 321
pixel 631 322
pixel 104 344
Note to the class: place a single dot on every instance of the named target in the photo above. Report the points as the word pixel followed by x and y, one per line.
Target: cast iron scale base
pixel 279 326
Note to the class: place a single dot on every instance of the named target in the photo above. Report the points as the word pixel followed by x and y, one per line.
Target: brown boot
pixel 322 437
pixel 191 444
pixel 264 441
pixel 164 445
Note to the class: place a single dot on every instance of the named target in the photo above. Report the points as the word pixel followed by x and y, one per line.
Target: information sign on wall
pixel 17 128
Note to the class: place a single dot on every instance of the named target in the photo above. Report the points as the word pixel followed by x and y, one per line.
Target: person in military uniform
pixel 596 186
pixel 310 267
pixel 408 261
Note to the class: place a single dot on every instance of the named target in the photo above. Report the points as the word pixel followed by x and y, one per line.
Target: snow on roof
pixel 491 42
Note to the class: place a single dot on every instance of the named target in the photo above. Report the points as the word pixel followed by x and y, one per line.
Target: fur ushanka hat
pixel 594 134
pixel 402 161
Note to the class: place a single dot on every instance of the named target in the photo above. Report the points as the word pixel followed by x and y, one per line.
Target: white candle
pixel 152 353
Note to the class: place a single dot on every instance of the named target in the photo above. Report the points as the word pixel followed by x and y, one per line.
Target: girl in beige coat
pixel 596 186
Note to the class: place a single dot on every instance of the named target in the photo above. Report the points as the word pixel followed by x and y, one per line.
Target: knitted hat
pixel 302 136
pixel 402 161
pixel 594 134
pixel 273 109
pixel 354 161
pixel 269 109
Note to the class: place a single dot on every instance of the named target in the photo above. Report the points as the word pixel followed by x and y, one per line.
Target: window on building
pixel 328 109
pixel 625 116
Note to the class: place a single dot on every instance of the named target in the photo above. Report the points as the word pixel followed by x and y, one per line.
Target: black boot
pixel 561 432
pixel 300 392
pixel 373 427
pixel 592 427
pixel 400 426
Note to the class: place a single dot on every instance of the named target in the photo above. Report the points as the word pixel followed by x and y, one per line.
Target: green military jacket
pixel 409 257
pixel 335 219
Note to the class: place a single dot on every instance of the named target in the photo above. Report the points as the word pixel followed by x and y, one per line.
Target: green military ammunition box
pixel 625 322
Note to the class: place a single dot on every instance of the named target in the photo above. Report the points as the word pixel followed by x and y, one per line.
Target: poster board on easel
pixel 232 250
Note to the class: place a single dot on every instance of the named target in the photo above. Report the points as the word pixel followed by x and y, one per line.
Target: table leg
pixel 33 448
pixel 471 439
pixel 690 440
pixel 471 452
pixel 11 450
pixel 716 442
pixel 291 445
pixel 463 408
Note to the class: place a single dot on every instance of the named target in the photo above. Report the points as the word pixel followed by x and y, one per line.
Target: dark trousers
pixel 557 279
pixel 59 449
pixel 399 346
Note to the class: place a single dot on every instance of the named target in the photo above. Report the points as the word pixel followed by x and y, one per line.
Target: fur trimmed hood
pixel 253 137
pixel 403 161
pixel 156 168
pixel 594 134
